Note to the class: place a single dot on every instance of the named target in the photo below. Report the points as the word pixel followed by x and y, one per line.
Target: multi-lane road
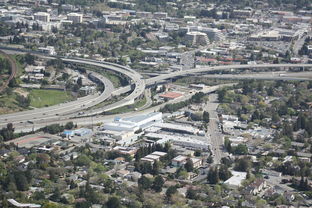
pixel 57 112
pixel 64 112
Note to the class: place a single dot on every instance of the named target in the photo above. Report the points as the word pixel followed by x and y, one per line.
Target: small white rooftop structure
pixel 236 180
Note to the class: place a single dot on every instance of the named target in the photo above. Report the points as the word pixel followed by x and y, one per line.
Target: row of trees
pixel 197 98
pixel 145 183
pixel 216 174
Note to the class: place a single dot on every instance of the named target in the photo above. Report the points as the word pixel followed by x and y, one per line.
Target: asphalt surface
pixel 213 129
pixel 56 112
pixel 220 68
pixel 62 112
pixel 25 127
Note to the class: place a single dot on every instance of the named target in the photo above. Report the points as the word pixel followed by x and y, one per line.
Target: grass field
pixel 41 98
pixel 139 103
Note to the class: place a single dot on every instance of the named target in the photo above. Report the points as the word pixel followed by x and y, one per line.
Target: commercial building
pixel 160 15
pixel 184 129
pixel 197 38
pixel 236 180
pixel 186 142
pixel 155 156
pixel 42 17
pixel 50 50
pixel 134 123
pixel 179 161
pixel 75 17
pixel 77 132
pixel 213 34
pixel 126 150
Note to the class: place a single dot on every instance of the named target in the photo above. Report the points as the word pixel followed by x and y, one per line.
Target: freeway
pixel 159 78
pixel 56 112
pixel 64 112
pixel 281 75
pixel 107 118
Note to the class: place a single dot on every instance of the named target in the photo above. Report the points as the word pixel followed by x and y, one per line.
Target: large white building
pixel 75 17
pixel 212 33
pixel 187 142
pixel 134 123
pixel 42 17
pixel 197 38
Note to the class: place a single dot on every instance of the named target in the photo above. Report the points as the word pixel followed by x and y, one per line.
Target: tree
pixel 56 196
pixel 113 202
pixel 241 149
pixel 171 191
pixel 213 175
pixel 69 125
pixel 242 164
pixel 29 59
pixel 191 194
pixel 206 117
pixel 155 170
pixel 158 183
pixel 144 183
pixel 21 181
pixel 227 144
pixel 79 81
pixel 224 173
pixel 189 166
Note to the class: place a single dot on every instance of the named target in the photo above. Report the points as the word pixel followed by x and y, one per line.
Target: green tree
pixel 242 164
pixel 29 59
pixel 189 166
pixel 241 149
pixel 224 173
pixel 144 183
pixel 191 194
pixel 213 176
pixel 56 196
pixel 171 191
pixel 206 117
pixel 113 202
pixel 227 144
pixel 158 183
pixel 69 125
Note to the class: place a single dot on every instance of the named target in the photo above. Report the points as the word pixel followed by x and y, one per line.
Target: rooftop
pixel 170 95
pixel 236 179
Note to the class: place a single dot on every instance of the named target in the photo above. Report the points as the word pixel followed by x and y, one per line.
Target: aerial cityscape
pixel 155 103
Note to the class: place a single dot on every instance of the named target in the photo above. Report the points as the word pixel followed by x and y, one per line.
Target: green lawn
pixel 128 108
pixel 41 98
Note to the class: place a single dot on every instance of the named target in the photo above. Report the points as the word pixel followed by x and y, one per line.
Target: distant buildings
pixel 75 17
pixel 42 17
pixel 197 38
pixel 50 50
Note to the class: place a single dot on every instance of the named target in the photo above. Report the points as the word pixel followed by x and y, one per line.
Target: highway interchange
pixel 69 111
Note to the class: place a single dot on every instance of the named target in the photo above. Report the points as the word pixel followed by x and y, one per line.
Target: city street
pixel 213 131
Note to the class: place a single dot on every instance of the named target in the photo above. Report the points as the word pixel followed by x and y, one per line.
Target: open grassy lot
pixel 8 104
pixel 41 98
pixel 139 103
